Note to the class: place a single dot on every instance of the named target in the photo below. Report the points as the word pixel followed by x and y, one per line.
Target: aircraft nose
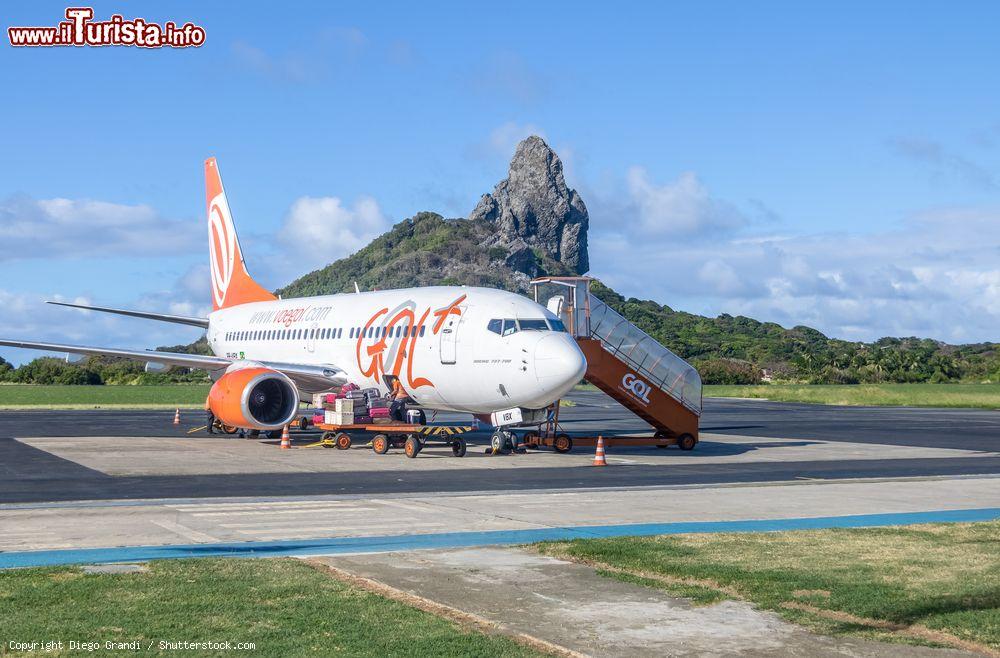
pixel 559 363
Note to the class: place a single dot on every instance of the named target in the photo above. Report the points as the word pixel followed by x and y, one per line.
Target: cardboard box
pixel 344 406
pixel 339 418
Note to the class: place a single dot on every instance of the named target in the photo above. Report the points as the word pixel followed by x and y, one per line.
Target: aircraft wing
pixel 166 358
pixel 314 378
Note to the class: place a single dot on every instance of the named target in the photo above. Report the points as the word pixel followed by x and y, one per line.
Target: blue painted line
pixel 385 543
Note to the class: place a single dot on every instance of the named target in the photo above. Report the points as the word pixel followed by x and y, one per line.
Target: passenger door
pixel 449 337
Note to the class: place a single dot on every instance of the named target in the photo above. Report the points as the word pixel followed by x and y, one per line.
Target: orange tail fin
pixel 232 285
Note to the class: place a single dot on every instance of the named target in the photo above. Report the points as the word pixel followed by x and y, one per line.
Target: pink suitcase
pixel 381 412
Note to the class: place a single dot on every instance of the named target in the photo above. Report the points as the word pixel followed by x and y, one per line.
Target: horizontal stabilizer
pixel 162 317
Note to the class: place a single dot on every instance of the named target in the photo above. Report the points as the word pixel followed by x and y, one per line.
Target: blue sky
pixel 833 164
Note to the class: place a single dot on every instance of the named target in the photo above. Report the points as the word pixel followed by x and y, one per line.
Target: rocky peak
pixel 534 209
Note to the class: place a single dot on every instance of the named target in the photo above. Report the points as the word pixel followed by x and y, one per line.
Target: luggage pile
pixel 351 406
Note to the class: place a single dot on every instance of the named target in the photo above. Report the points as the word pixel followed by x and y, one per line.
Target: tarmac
pixel 125 486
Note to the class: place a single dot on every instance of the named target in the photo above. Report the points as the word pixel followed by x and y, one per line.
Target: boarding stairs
pixel 625 362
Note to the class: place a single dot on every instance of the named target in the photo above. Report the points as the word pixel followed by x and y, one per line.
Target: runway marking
pixel 390 543
pixel 289 509
pixel 412 507
pixel 184 531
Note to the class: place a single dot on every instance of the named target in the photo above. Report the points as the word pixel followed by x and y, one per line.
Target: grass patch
pixel 283 606
pixel 30 396
pixel 887 583
pixel 976 396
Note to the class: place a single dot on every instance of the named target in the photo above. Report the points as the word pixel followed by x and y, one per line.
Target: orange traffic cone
pixel 286 441
pixel 177 417
pixel 599 459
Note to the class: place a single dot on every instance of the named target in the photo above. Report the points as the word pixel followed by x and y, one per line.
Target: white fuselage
pixel 466 349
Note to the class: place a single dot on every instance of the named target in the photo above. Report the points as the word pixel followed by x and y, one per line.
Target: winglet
pixel 232 285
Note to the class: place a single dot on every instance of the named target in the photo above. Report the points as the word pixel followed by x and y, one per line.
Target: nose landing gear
pixel 504 442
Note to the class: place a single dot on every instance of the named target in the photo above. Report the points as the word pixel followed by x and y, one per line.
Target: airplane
pixel 491 353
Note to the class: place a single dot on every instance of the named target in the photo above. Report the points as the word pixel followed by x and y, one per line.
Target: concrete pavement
pixel 570 605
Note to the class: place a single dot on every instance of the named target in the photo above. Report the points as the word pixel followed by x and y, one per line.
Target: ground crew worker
pixel 210 417
pixel 397 408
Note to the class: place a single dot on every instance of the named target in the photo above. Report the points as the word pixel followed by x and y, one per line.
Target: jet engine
pixel 254 398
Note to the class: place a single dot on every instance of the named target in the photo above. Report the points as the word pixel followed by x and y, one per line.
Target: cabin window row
pixel 325 333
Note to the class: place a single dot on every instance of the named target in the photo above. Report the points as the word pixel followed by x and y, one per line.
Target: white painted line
pixel 290 509
pixel 407 506
pixel 186 532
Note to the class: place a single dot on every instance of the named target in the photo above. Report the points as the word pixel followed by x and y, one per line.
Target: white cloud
pixel 26 316
pixel 314 57
pixel 507 75
pixel 944 161
pixel 503 140
pixel 48 228
pixel 319 230
pixel 937 276
pixel 679 207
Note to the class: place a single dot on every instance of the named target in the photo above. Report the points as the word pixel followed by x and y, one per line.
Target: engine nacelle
pixel 254 398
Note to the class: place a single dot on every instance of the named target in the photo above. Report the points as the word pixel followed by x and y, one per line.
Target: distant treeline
pixel 94 371
pixel 741 350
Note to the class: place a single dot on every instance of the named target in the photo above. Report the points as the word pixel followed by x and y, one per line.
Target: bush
pixel 728 371
pixel 831 375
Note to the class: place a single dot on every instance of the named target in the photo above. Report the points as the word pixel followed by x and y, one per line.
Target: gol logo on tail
pixel 222 247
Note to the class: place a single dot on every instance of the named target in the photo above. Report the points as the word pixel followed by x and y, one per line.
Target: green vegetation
pixel 424 250
pixel 283 606
pixel 722 348
pixel 107 397
pixel 924 584
pixel 980 396
pixel 96 370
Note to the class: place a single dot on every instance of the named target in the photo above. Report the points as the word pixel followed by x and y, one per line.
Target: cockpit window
pixel 533 325
pixel 495 326
pixel 557 325
pixel 509 327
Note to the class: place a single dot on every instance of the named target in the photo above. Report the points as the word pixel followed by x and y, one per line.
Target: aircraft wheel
pixel 458 448
pixel 562 443
pixel 303 423
pixel 380 444
pixel 412 446
pixel 230 429
pixel 343 440
pixel 499 442
pixel 686 442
